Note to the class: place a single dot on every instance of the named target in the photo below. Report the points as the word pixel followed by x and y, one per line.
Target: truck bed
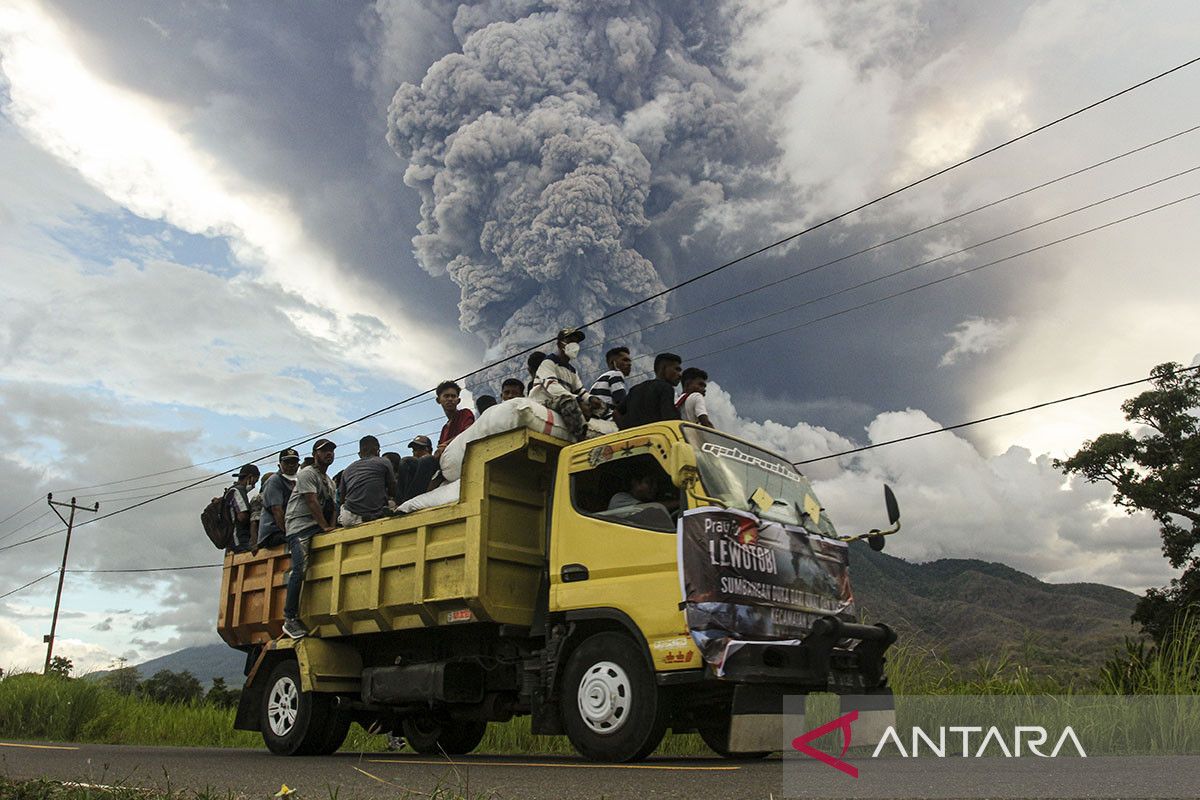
pixel 479 559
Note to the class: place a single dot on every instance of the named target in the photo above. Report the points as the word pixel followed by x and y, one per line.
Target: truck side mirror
pixel 893 508
pixel 681 462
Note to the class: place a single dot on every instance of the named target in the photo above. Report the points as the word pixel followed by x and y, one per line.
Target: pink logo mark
pixel 843 722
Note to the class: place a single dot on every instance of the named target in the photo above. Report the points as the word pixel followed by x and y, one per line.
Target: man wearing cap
pixel 367 485
pixel 276 491
pixel 558 386
pixel 239 500
pixel 310 511
pixel 416 471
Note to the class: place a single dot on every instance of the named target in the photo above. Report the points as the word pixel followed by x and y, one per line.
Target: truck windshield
pixel 733 471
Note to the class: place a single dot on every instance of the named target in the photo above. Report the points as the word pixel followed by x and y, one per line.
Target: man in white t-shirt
pixel 691 403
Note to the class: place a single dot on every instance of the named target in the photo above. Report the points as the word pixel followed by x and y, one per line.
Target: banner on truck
pixel 746 579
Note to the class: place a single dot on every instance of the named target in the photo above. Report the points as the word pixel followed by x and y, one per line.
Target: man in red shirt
pixel 457 419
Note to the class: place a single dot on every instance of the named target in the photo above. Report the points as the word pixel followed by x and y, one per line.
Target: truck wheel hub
pixel 281 706
pixel 604 697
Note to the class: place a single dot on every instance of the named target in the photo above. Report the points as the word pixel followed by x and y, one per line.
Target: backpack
pixel 217 519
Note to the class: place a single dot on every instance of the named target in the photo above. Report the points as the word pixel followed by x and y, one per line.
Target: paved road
pixel 253 773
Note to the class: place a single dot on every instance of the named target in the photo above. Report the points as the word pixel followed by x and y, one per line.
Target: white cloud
pixel 976 336
pixel 25 653
pixel 1014 508
pixel 134 151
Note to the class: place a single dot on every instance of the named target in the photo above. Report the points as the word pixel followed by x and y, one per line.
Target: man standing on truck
pixel 610 387
pixel 691 403
pixel 457 419
pixel 653 400
pixel 276 491
pixel 367 485
pixel 239 500
pixel 309 512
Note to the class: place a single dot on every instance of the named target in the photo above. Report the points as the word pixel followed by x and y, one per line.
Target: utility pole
pixel 62 572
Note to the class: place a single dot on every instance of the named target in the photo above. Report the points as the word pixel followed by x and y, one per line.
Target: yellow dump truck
pixel 667 576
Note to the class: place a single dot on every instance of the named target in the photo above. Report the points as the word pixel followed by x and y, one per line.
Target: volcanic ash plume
pixel 567 139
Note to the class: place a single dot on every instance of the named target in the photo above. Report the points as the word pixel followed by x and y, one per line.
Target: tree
pixel 172 687
pixel 1157 470
pixel 60 667
pixel 221 695
pixel 123 678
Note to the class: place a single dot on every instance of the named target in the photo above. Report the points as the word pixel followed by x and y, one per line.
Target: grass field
pixel 33 707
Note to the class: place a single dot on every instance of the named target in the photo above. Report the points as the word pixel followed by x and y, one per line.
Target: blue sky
pixel 207 246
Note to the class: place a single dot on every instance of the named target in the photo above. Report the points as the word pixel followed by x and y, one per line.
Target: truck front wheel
pixel 611 706
pixel 296 723
pixel 432 736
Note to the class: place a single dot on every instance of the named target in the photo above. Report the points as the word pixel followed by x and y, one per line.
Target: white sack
pixel 600 427
pixel 443 495
pixel 507 416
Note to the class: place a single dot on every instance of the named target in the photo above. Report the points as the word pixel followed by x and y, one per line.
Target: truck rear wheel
pixel 293 722
pixel 432 736
pixel 611 706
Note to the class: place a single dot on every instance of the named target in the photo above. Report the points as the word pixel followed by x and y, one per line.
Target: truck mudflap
pixel 837 656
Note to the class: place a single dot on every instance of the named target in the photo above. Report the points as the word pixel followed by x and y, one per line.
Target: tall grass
pixel 1172 668
pixel 40 708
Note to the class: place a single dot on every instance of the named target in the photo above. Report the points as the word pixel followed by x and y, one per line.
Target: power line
pixel 813 300
pixel 26 524
pixel 22 508
pixel 937 281
pixel 799 463
pixel 144 569
pixel 901 237
pixel 26 586
pixel 744 342
pixel 988 419
pixel 893 193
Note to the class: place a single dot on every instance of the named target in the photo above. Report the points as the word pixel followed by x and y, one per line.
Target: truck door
pixel 613 542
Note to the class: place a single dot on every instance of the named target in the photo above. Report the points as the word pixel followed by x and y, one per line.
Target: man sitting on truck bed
pixel 512 387
pixel 367 485
pixel 309 512
pixel 558 386
pixel 276 491
pixel 415 471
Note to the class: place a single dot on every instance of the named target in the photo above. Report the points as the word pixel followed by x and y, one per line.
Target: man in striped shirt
pixel 610 387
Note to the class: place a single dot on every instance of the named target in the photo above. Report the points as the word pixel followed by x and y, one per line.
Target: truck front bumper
pixel 837 656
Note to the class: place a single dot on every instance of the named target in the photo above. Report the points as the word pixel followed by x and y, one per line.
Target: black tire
pixel 293 722
pixel 717 739
pixel 433 736
pixel 612 709
pixel 336 731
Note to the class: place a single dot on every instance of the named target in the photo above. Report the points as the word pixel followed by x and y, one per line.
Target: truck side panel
pixel 477 560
